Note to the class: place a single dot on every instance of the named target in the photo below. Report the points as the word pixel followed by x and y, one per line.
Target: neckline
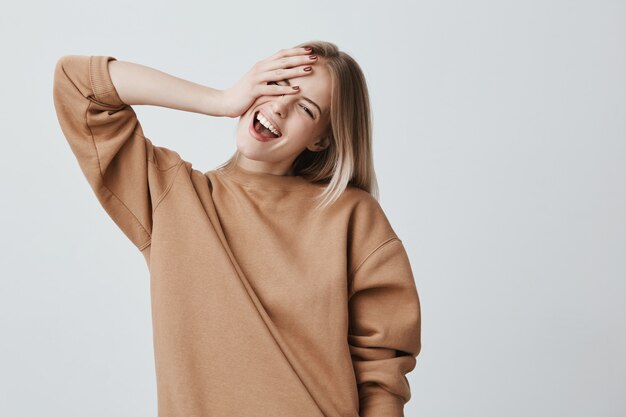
pixel 261 179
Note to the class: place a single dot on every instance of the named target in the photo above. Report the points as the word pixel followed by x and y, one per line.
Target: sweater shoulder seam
pixel 169 186
pixel 372 252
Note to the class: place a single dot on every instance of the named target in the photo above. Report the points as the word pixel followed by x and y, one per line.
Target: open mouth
pixel 263 131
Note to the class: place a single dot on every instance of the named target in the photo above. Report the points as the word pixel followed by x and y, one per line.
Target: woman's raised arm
pixel 129 175
pixel 143 85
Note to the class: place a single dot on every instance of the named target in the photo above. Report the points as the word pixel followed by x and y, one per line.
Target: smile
pixel 260 132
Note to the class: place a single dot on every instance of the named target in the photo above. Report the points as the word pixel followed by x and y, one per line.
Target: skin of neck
pixel 263 167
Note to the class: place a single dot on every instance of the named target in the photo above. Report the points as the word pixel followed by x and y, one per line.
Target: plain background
pixel 500 148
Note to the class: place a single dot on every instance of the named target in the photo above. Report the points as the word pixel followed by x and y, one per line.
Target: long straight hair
pixel 348 160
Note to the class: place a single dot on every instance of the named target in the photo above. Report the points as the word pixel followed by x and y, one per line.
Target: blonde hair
pixel 348 160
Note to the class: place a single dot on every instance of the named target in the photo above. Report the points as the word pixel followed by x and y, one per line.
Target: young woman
pixel 278 286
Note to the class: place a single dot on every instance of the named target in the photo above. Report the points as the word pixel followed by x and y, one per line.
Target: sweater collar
pixel 261 179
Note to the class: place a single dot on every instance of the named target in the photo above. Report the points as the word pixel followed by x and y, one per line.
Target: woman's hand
pixel 286 63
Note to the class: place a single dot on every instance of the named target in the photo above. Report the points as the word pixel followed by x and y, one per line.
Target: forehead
pixel 316 86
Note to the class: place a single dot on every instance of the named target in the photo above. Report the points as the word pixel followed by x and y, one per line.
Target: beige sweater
pixel 261 306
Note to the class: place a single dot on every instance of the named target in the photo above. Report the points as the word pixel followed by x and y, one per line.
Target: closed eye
pixel 306 109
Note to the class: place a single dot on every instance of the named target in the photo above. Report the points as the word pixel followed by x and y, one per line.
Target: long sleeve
pixel 385 329
pixel 127 173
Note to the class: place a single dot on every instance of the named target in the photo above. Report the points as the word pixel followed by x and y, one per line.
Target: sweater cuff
pixel 381 404
pixel 101 84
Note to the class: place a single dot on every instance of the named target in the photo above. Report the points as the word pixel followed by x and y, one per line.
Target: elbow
pixel 65 63
pixel 70 75
pixel 60 64
pixel 60 70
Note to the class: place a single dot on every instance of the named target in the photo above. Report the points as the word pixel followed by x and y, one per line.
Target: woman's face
pixel 300 122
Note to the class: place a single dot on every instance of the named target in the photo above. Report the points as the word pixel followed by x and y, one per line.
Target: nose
pixel 279 106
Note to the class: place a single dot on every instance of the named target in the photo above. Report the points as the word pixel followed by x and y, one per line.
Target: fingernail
pixel 313 56
pixel 296 87
pixel 308 48
pixel 308 69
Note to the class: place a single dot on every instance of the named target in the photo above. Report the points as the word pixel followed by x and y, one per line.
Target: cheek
pixel 300 139
pixel 304 122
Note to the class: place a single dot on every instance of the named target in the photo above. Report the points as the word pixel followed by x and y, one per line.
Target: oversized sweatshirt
pixel 262 306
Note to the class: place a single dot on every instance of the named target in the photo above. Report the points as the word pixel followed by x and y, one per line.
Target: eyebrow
pixel 307 99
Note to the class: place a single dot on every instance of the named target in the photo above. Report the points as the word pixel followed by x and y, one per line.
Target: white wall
pixel 500 145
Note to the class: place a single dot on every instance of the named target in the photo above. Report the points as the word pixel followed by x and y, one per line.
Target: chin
pixel 248 147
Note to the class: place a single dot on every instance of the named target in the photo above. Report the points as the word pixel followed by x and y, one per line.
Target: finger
pixel 291 62
pixel 285 53
pixel 277 90
pixel 281 74
pixel 287 58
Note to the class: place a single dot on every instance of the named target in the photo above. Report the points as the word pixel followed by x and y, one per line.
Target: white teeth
pixel 267 124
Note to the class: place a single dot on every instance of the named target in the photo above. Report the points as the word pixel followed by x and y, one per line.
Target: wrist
pixel 213 102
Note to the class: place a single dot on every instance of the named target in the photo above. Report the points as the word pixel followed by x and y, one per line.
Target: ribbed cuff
pixel 101 84
pixel 381 404
pixel 374 406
